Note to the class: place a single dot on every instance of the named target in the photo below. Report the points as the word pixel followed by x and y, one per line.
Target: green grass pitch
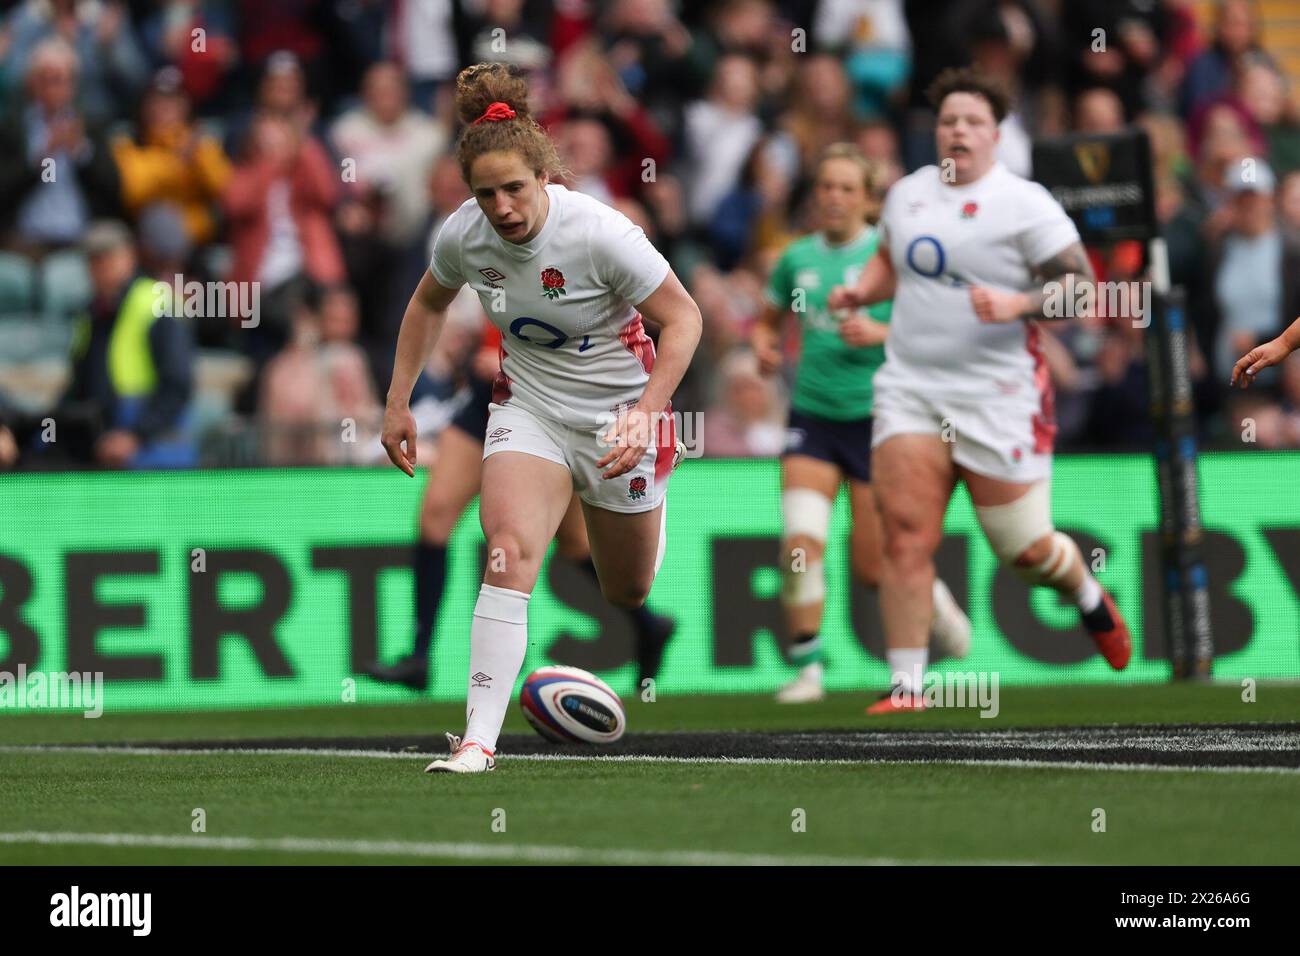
pixel 82 806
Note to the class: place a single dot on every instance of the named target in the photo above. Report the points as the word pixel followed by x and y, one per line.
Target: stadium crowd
pixel 306 145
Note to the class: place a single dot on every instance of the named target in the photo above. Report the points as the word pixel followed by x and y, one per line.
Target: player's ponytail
pixel 492 102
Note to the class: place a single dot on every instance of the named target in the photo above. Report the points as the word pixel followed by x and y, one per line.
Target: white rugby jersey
pixel 942 240
pixel 572 345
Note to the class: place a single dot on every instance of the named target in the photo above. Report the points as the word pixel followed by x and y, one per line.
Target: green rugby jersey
pixel 833 379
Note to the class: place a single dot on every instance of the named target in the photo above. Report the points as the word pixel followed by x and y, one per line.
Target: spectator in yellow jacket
pixel 170 160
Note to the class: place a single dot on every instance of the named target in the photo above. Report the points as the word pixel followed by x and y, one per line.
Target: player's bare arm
pixel 996 305
pixel 1262 356
pixel 421 323
pixel 875 284
pixel 672 309
pixel 765 339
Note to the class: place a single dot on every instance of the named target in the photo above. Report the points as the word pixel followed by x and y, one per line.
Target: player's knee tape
pixel 803 584
pixel 806 512
pixel 1013 527
pixel 1060 561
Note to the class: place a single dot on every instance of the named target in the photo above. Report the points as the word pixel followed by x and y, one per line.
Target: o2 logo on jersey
pixel 556 337
pixel 925 256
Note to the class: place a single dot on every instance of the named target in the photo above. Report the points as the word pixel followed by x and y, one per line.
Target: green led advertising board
pixel 221 589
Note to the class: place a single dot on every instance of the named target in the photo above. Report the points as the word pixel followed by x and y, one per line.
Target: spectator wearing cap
pixel 132 374
pixel 112 66
pixel 1256 268
pixel 170 160
pixel 56 174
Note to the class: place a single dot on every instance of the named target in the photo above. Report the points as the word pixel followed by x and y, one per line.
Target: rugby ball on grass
pixel 569 705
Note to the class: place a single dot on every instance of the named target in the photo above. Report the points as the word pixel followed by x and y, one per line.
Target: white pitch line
pixel 500 852
pixel 649 758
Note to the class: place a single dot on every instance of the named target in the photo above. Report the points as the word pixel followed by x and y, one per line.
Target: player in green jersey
pixel 829 436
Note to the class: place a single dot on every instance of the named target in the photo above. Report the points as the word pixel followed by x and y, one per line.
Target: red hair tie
pixel 495 114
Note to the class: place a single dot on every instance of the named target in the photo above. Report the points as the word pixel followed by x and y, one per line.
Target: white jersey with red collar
pixel 573 347
pixel 945 239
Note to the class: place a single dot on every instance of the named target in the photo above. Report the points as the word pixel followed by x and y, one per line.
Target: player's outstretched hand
pixel 398 437
pixel 630 436
pixel 993 305
pixel 1260 357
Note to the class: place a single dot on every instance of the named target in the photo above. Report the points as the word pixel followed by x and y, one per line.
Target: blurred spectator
pixel 56 176
pixel 507 31
pixel 873 39
pixel 423 40
pixel 1262 90
pixel 720 133
pixel 747 418
pixel 112 67
pixel 1113 44
pixel 751 216
pixel 1236 33
pixel 281 92
pixel 1289 203
pixel 132 375
pixel 318 404
pixel 170 160
pixel 590 90
pixel 196 37
pixel 393 146
pixel 879 142
pixel 649 48
pixel 585 151
pixel 821 111
pixel 278 205
pixel 1256 271
pixel 1098 110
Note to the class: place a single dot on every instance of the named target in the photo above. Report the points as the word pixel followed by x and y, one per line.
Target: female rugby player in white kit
pixel 581 402
pixel 964 392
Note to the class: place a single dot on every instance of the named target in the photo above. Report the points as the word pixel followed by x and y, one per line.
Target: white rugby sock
pixel 907 666
pixel 498 639
pixel 1088 597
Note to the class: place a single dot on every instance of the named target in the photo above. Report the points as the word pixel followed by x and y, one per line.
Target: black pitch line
pixel 1214 745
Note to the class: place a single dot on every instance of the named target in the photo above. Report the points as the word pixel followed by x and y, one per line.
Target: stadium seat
pixel 65 284
pixel 16 284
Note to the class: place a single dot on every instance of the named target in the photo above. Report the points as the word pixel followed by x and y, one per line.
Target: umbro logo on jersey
pixel 492 275
pixel 499 433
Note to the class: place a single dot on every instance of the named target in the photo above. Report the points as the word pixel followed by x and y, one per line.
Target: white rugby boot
pixel 466 758
pixel 950 627
pixel 805 689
